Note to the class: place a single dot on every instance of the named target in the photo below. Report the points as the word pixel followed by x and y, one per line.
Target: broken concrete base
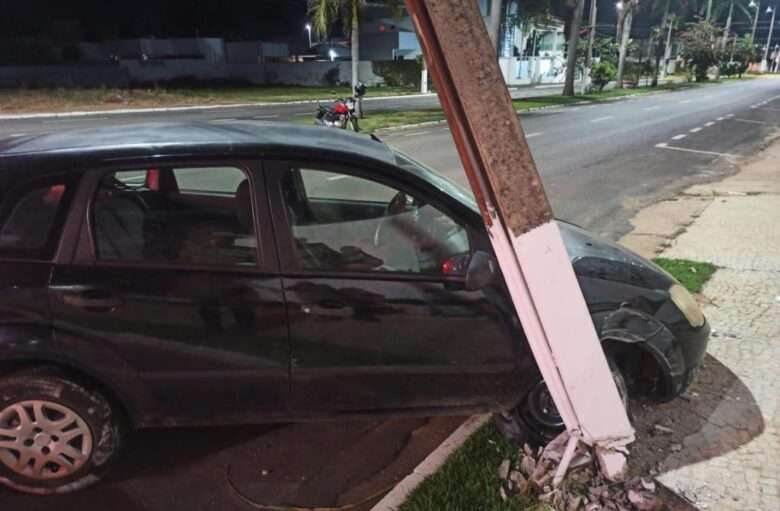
pixel 585 486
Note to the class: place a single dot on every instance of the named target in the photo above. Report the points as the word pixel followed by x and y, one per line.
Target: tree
pixel 571 52
pixel 699 50
pixel 744 53
pixel 325 13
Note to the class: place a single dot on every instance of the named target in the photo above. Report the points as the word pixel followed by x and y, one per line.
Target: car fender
pixel 40 344
pixel 627 325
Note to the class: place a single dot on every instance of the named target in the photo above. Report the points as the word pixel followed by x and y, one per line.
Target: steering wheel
pixel 400 204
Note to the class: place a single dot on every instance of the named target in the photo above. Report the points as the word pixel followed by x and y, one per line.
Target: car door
pixel 175 270
pixel 373 274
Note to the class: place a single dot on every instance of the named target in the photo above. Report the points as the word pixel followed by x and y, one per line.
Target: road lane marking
pixel 720 118
pixel 14 135
pixel 75 119
pixel 695 130
pixel 749 121
pixel 605 118
pixel 679 137
pixel 686 101
pixel 664 145
pixel 652 108
pixel 708 124
pixel 729 115
pixel 416 133
pixel 336 178
pixel 532 135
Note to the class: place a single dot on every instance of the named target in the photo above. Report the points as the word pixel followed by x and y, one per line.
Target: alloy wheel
pixel 43 440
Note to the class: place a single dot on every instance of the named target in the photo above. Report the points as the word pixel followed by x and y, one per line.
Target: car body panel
pixel 326 345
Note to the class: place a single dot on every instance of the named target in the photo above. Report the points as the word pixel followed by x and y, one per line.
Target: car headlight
pixel 687 305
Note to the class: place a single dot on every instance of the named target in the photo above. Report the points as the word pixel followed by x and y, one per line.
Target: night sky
pixel 95 20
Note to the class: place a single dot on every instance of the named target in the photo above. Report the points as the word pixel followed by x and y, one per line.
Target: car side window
pixel 144 216
pixel 341 222
pixel 32 215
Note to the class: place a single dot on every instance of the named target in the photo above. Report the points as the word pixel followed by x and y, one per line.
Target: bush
pixel 602 73
pixel 398 73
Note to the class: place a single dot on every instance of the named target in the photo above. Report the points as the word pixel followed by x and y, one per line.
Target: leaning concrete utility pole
pixel 526 239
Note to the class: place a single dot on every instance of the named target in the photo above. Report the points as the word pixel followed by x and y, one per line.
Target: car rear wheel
pixel 56 435
pixel 536 420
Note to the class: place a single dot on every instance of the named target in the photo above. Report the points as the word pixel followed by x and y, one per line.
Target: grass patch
pixel 381 119
pixel 62 99
pixel 469 480
pixel 691 274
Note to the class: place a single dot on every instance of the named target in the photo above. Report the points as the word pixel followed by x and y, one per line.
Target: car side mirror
pixel 481 271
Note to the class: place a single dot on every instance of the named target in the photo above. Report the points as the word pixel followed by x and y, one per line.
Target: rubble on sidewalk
pixel 585 488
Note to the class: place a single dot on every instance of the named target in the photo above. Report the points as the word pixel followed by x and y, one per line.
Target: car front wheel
pixel 536 420
pixel 56 435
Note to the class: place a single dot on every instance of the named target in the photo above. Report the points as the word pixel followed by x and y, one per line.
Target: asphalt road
pixel 599 162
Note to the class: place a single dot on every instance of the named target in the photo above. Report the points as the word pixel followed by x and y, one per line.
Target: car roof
pixel 197 138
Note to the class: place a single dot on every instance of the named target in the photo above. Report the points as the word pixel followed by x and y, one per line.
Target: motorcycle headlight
pixel 687 305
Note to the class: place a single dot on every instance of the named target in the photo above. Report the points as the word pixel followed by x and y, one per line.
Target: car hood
pixel 596 257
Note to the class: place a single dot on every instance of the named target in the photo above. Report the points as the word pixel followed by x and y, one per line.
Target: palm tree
pixel 325 13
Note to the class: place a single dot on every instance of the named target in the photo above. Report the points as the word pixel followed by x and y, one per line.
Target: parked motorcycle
pixel 343 112
pixel 340 114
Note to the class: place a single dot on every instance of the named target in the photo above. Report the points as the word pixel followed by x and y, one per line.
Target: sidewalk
pixel 724 452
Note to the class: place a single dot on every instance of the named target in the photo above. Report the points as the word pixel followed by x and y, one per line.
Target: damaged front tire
pixel 536 420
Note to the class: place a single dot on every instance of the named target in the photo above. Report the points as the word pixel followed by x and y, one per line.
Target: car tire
pixel 56 434
pixel 535 421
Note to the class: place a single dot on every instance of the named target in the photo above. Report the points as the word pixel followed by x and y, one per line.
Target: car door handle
pixel 93 301
pixel 326 307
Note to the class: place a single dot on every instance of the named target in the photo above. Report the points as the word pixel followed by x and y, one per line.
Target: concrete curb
pixel 432 463
pixel 126 111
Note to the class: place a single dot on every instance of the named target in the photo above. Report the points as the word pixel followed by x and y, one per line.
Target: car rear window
pixel 32 215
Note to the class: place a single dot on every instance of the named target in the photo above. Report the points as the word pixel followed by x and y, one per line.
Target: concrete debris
pixel 585 487
pixel 662 430
pixel 503 469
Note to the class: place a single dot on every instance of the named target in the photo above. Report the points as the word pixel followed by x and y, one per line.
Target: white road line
pixel 729 115
pixel 532 135
pixel 652 108
pixel 749 121
pixel 72 119
pixel 135 178
pixel 708 124
pixel 686 101
pixel 695 130
pixel 416 133
pixel 605 118
pixel 720 118
pixel 696 151
pixel 336 178
pixel 13 135
pixel 679 137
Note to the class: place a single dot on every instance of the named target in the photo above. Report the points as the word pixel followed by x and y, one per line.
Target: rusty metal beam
pixel 519 220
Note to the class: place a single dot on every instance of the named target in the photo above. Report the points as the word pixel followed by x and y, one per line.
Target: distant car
pixel 240 272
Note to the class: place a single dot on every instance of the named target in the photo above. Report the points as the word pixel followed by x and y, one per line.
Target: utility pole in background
pixel 591 34
pixel 768 40
pixel 525 238
pixel 757 7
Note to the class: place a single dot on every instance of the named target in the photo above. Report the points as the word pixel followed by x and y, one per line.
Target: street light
pixel 619 5
pixel 768 39
pixel 308 29
pixel 332 54
pixel 757 7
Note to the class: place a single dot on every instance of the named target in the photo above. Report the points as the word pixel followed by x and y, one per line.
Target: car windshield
pixel 464 195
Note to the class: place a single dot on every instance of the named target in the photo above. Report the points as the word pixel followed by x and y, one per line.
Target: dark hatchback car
pixel 238 272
